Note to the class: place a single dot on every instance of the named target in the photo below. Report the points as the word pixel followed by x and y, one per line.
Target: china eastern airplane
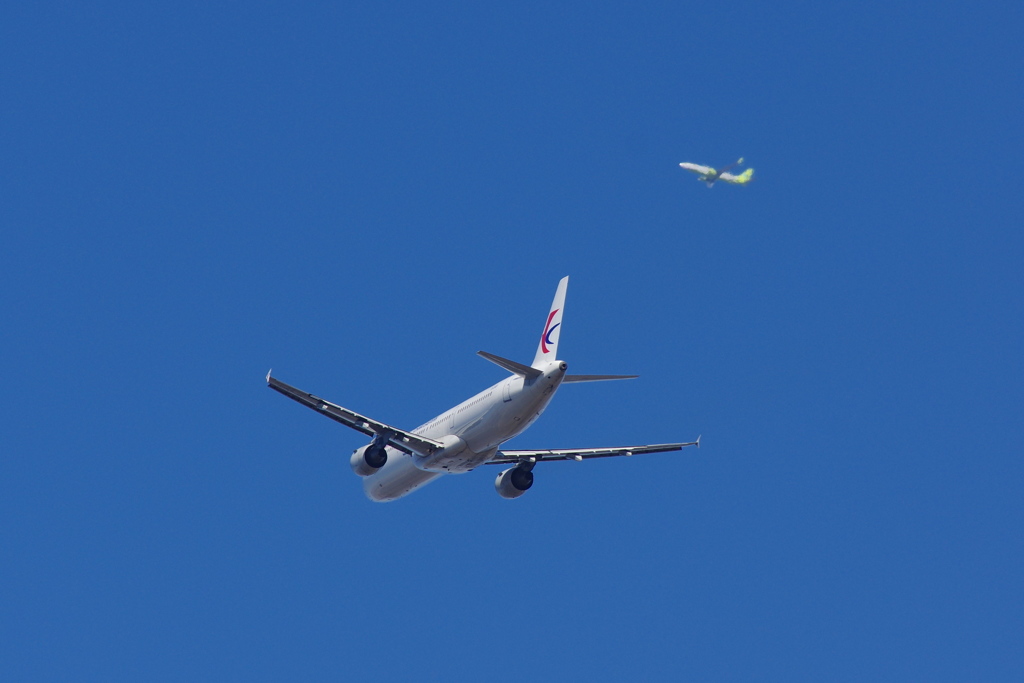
pixel 396 462
pixel 710 175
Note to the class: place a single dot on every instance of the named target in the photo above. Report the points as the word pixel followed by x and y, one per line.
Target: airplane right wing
pixel 504 457
pixel 407 442
pixel 697 168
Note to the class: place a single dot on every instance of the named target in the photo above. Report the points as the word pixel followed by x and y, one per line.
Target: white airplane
pixel 710 175
pixel 396 462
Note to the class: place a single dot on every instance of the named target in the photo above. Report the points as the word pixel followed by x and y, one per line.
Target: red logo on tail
pixel 545 338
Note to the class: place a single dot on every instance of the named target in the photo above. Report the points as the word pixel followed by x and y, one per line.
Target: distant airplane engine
pixel 513 482
pixel 368 459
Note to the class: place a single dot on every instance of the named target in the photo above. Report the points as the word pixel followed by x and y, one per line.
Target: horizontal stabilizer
pixel 512 366
pixel 595 378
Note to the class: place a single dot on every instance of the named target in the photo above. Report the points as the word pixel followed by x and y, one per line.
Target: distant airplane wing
pixel 741 179
pixel 504 457
pixel 404 441
pixel 731 166
pixel 697 168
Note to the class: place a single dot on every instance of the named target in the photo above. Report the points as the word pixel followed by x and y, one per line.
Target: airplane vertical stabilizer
pixel 547 349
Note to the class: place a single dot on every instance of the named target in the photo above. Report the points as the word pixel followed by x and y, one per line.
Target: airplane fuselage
pixel 471 431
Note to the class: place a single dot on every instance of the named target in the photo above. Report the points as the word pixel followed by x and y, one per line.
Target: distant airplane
pixel 710 175
pixel 397 462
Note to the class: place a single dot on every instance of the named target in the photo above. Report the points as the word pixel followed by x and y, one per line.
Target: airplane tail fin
pixel 547 349
pixel 741 179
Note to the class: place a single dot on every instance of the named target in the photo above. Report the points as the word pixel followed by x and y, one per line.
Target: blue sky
pixel 363 195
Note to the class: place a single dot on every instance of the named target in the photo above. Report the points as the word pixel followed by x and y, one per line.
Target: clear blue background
pixel 363 195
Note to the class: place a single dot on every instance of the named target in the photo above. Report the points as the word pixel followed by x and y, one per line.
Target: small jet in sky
pixel 710 175
pixel 396 462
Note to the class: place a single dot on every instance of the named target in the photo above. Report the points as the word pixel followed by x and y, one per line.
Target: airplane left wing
pixel 407 442
pixel 513 457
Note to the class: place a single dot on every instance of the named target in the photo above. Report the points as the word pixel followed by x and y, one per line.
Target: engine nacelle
pixel 368 459
pixel 513 482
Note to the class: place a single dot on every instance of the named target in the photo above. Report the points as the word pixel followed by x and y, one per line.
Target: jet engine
pixel 368 459
pixel 513 482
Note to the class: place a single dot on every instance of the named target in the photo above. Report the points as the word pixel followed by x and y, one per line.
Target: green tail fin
pixel 745 177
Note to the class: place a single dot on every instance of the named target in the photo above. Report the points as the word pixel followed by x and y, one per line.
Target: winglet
pixel 698 440
pixel 268 374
